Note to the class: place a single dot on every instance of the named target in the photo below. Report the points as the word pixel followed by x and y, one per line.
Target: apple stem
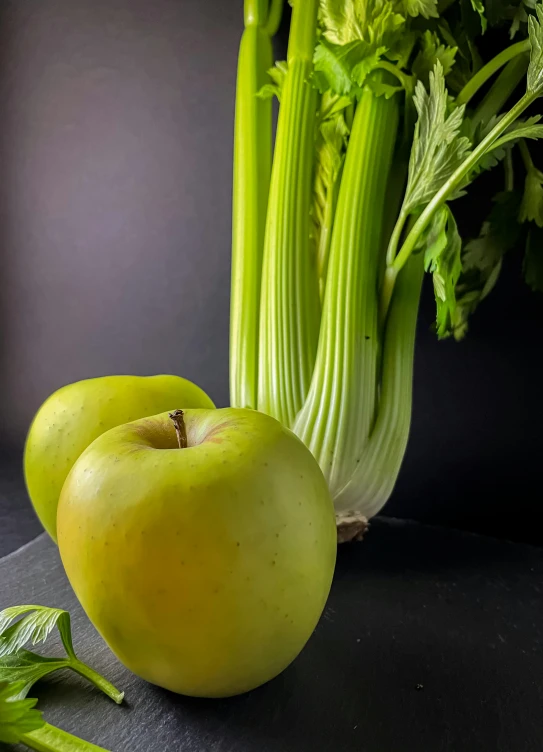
pixel 180 428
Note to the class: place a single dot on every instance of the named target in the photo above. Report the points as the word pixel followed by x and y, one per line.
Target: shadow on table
pixel 412 691
pixel 394 546
pixel 432 641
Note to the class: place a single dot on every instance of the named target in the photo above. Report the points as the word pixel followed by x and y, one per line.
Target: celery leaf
pixel 343 69
pixel 28 668
pixel 340 21
pixel 368 63
pixel 528 128
pixel 425 8
pixel 482 258
pixel 382 89
pixel 437 148
pixel 535 69
pixel 467 59
pixel 479 8
pixel 442 257
pixel 519 16
pixel 499 12
pixel 464 276
pixel 36 625
pixel 499 233
pixel 17 717
pixel 346 21
pixel 430 52
pixel 403 47
pixel 278 76
pixel 531 208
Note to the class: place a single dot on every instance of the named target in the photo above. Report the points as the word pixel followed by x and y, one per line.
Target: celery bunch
pixel 387 114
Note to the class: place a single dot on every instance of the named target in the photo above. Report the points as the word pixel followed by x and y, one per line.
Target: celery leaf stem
pixel 526 156
pixel 396 236
pixel 488 70
pixel 51 739
pixel 500 91
pixel 97 679
pixel 274 17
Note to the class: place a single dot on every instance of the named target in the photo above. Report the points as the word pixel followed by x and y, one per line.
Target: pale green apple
pixel 71 418
pixel 204 568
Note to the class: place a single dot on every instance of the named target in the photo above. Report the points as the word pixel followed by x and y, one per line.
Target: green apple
pixel 204 568
pixel 78 413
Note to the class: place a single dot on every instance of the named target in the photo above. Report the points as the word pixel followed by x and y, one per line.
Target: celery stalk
pixel 379 463
pixel 52 739
pixel 252 168
pixel 357 209
pixel 339 413
pixel 289 314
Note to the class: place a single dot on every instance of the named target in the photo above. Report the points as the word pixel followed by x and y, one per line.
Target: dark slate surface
pixel 431 642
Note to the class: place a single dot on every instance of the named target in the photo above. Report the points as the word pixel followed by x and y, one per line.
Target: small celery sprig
pixel 20 723
pixel 26 667
pixel 17 717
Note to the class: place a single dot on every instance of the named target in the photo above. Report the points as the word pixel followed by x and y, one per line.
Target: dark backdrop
pixel 115 186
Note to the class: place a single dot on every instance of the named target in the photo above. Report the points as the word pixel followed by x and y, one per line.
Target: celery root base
pixel 351 526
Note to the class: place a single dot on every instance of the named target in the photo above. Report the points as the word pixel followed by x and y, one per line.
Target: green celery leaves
pixel 438 148
pixel 17 717
pixel 346 21
pixel 531 209
pixel 432 50
pixel 27 668
pixel 482 258
pixel 34 627
pixel 442 258
pixel 344 69
pixel 278 75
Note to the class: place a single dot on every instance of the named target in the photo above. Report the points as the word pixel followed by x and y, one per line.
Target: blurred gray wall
pixel 115 169
pixel 116 124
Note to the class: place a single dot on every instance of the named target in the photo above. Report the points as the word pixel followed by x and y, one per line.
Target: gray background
pixel 115 187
